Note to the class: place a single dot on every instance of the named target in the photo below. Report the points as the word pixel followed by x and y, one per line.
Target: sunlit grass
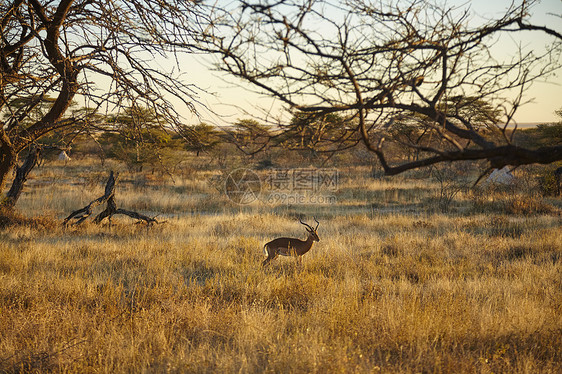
pixel 381 292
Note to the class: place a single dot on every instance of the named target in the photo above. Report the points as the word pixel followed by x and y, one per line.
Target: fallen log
pixel 111 209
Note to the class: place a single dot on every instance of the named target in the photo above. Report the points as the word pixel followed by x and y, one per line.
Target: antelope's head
pixel 312 231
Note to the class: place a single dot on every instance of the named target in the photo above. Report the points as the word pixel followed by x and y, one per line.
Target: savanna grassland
pixel 395 284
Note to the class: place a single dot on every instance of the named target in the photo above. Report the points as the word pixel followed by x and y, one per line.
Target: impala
pixel 291 246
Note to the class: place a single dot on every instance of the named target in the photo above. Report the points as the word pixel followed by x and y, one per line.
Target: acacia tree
pixel 200 138
pixel 313 131
pixel 248 136
pixel 135 136
pixel 377 63
pixel 98 50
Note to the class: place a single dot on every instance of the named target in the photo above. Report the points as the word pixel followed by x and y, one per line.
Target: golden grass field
pixel 393 286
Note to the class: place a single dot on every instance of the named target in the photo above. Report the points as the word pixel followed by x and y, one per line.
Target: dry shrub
pixel 549 182
pixel 9 218
pixel 527 205
pixel 494 200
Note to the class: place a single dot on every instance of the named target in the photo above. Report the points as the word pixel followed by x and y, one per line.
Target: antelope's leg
pixel 267 260
pixel 271 255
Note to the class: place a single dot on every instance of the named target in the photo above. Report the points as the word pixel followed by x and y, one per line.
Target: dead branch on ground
pixel 111 209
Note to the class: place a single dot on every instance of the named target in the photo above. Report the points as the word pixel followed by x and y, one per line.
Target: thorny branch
pixel 380 64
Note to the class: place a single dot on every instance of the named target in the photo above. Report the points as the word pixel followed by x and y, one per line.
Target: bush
pixel 527 205
pixel 9 218
pixel 549 182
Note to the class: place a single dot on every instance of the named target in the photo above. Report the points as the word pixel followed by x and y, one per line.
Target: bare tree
pixel 379 63
pixel 97 50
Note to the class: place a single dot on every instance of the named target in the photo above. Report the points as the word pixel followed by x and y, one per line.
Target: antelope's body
pixel 291 246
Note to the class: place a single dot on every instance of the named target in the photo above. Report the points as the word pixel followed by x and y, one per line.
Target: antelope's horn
pixel 306 224
pixel 317 223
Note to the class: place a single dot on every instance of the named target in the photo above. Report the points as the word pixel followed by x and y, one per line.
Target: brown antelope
pixel 291 246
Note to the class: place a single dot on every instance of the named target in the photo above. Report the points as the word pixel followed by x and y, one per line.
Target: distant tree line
pixel 137 137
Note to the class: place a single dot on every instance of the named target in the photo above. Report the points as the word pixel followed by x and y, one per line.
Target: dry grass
pixel 381 292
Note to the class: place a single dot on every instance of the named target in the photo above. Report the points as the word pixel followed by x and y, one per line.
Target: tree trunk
pixel 21 176
pixel 7 160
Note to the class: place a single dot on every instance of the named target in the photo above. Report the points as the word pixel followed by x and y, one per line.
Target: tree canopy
pixel 378 63
pixel 102 51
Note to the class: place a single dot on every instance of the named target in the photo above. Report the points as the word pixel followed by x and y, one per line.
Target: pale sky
pixel 233 96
